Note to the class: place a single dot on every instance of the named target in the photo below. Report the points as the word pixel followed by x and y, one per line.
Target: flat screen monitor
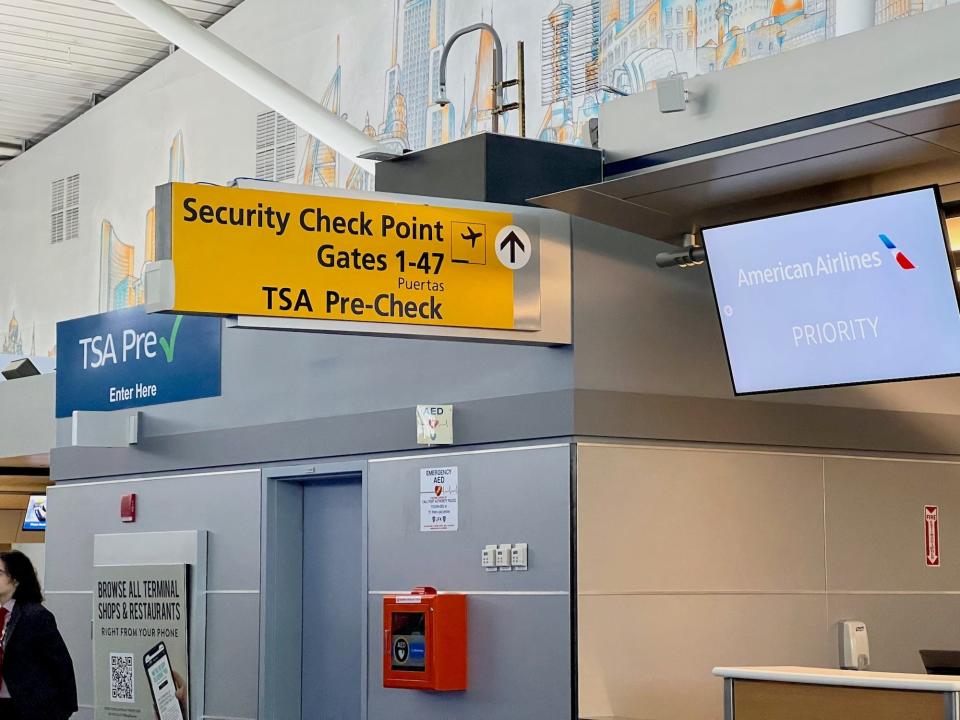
pixel 848 294
pixel 36 517
pixel 941 662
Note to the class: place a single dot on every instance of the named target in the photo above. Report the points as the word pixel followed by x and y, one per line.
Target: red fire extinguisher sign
pixel 931 535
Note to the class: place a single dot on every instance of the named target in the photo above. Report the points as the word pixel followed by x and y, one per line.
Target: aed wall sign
pixel 265 253
pixel 127 358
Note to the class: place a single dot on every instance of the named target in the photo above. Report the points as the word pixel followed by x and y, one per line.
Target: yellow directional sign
pixel 252 252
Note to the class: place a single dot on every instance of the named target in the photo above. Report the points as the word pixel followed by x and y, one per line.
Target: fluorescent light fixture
pixel 20 369
pixel 379 155
pixel 253 78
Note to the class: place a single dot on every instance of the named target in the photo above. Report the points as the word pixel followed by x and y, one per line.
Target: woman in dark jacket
pixel 36 673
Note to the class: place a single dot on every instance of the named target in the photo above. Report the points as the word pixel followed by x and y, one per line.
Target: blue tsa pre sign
pixel 128 358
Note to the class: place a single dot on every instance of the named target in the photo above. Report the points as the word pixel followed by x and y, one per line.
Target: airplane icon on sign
pixel 468 242
pixel 471 235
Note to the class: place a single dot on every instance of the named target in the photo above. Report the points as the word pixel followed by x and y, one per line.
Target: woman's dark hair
pixel 20 568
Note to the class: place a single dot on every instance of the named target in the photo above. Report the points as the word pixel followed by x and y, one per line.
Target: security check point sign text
pixel 249 252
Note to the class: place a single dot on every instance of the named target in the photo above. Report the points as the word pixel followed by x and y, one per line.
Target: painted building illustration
pixel 590 52
pixel 121 285
pixel 570 70
pixel 12 342
pixel 319 164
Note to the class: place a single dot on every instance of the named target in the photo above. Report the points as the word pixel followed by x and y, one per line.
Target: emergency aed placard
pixel 330 257
pixel 439 507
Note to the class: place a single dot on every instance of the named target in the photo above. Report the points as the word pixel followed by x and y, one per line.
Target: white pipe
pixel 253 78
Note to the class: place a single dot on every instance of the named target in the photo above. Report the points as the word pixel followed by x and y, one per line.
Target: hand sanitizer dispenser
pixel 854 646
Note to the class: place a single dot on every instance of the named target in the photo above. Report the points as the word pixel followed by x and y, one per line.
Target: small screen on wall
pixel 855 293
pixel 36 517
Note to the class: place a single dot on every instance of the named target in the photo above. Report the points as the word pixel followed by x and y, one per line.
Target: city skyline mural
pixel 590 51
pixel 376 64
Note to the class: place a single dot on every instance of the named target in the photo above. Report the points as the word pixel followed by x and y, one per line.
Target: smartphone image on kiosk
pixel 157 665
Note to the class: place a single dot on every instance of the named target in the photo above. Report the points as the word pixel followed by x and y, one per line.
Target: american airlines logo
pixel 901 259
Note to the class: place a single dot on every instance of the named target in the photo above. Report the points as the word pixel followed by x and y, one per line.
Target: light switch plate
pixel 488 558
pixel 518 556
pixel 504 557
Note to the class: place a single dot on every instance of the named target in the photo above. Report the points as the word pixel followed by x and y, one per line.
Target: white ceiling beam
pixel 251 77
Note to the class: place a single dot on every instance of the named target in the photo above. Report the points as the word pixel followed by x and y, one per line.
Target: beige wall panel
pixel 875 525
pixel 651 656
pixel 899 626
pixel 677 520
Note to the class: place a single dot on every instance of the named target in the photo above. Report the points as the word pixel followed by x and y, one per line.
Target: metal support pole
pixel 520 83
pixel 522 89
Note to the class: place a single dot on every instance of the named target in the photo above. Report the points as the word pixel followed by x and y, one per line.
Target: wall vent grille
pixel 276 148
pixel 65 209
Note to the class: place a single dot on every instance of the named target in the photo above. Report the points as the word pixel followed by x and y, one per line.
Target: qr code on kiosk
pixel 121 677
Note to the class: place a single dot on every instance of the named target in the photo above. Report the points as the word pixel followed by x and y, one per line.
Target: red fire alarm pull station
pixel 128 508
pixel 425 640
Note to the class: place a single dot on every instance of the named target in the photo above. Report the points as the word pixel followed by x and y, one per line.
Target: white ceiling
pixel 57 55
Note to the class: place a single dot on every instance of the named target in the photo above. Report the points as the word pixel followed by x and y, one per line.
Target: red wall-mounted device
pixel 128 508
pixel 425 640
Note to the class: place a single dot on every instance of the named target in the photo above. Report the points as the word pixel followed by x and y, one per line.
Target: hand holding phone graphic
pixel 163 687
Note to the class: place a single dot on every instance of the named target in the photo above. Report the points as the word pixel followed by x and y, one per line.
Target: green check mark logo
pixel 168 346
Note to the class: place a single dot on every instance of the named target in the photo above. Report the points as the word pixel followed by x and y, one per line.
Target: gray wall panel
pixel 517 417
pixel 505 497
pixel 639 328
pixel 27 425
pixel 233 655
pixel 226 504
pixel 517 641
pixel 650 363
pixel 334 375
pixel 519 664
pixel 74 612
pixel 759 422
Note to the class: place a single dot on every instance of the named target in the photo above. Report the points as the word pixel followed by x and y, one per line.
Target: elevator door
pixel 333 600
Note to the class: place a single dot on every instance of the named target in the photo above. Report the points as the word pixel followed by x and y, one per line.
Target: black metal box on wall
pixel 491 168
